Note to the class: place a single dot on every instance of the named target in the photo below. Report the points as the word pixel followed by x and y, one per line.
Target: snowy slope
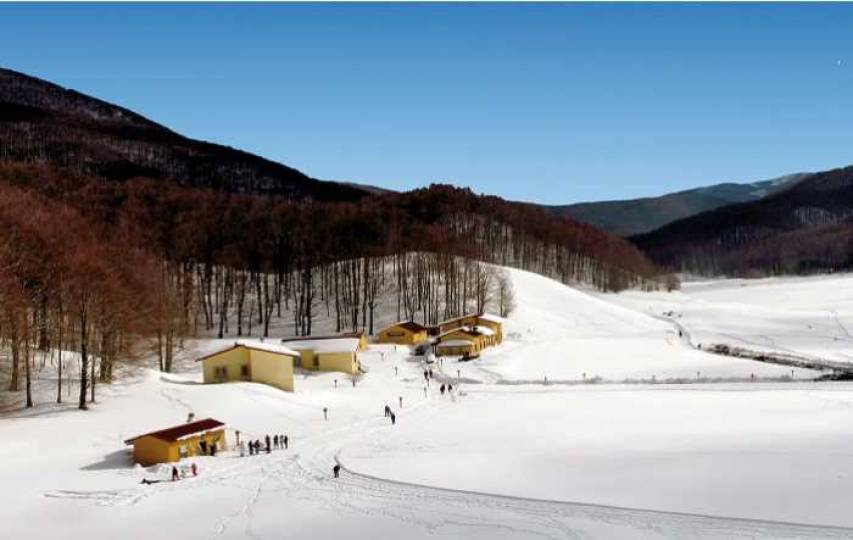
pixel 810 316
pixel 564 333
pixel 660 449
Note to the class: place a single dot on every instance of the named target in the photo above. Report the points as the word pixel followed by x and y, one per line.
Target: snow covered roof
pixel 172 434
pixel 491 318
pixel 469 330
pixel 485 330
pixel 256 345
pixel 325 345
pixel 455 343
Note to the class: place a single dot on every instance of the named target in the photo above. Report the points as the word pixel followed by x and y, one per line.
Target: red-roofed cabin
pixel 172 444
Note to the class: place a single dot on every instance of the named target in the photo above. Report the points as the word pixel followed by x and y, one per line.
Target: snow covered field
pixel 616 460
pixel 809 316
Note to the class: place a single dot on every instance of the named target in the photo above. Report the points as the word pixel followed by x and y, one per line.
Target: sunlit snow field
pixel 766 444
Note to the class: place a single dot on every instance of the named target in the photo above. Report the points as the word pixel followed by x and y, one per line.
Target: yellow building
pixel 481 320
pixel 403 333
pixel 253 361
pixel 326 354
pixel 172 444
pixel 456 347
pixel 478 339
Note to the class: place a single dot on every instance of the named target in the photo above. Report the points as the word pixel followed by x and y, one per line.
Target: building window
pixel 221 373
pixel 244 371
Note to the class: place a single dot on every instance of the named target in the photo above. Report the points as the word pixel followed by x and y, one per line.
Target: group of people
pixel 448 388
pixel 269 444
pixel 178 475
pixel 390 414
pixel 206 448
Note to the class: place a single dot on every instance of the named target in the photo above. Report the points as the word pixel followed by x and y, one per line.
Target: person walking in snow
pixel 275 442
pixel 387 411
pixel 203 446
pixel 175 475
pixel 426 375
pixel 393 418
pixel 395 371
pixel 213 449
pixel 336 470
pixel 441 389
pixel 194 469
pixel 449 387
pixel 401 401
pixel 326 413
pixel 267 440
pixel 285 442
pixel 242 449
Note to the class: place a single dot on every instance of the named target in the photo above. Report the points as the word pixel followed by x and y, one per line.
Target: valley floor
pixel 771 455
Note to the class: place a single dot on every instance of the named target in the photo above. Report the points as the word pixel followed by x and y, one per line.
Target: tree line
pixel 104 268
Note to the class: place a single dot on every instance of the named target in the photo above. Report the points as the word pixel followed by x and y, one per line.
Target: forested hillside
pixel 119 235
pixel 41 122
pixel 806 228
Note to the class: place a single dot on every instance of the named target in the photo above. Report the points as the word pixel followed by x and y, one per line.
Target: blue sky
pixel 540 102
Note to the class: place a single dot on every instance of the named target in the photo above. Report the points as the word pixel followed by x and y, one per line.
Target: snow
pixel 325 345
pixel 266 346
pixel 613 460
pixel 455 343
pixel 808 316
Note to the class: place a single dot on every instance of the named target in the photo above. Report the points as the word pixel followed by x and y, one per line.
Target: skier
pixel 326 413
pixel 275 442
pixel 387 411
pixel 442 389
pixel 426 375
pixel 401 401
pixel 175 476
pixel 449 387
pixel 395 371
pixel 393 418
pixel 285 442
pixel 267 440
pixel 336 470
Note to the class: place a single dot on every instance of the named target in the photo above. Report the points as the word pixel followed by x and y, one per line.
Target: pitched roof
pixel 411 326
pixel 326 345
pixel 455 343
pixel 481 316
pixel 172 434
pixel 254 345
pixel 342 335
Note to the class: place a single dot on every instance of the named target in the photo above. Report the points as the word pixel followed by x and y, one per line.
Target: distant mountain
pixel 806 227
pixel 636 216
pixel 41 122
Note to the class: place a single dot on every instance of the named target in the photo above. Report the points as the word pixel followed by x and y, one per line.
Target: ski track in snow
pixel 437 511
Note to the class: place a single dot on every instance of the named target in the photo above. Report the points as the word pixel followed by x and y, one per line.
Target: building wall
pixel 272 369
pixel 151 450
pixel 401 336
pixel 478 342
pixel 344 362
pixel 454 351
pixel 232 359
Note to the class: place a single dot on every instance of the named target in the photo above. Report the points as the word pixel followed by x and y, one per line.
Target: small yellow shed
pixel 172 444
pixel 403 333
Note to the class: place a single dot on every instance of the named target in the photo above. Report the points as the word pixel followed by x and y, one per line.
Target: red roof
pixel 172 434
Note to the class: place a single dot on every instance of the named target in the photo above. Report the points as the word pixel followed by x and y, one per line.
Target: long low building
pixel 327 353
pixel 172 444
pixel 252 361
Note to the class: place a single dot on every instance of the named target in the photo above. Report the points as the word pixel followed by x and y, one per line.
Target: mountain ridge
pixel 627 217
